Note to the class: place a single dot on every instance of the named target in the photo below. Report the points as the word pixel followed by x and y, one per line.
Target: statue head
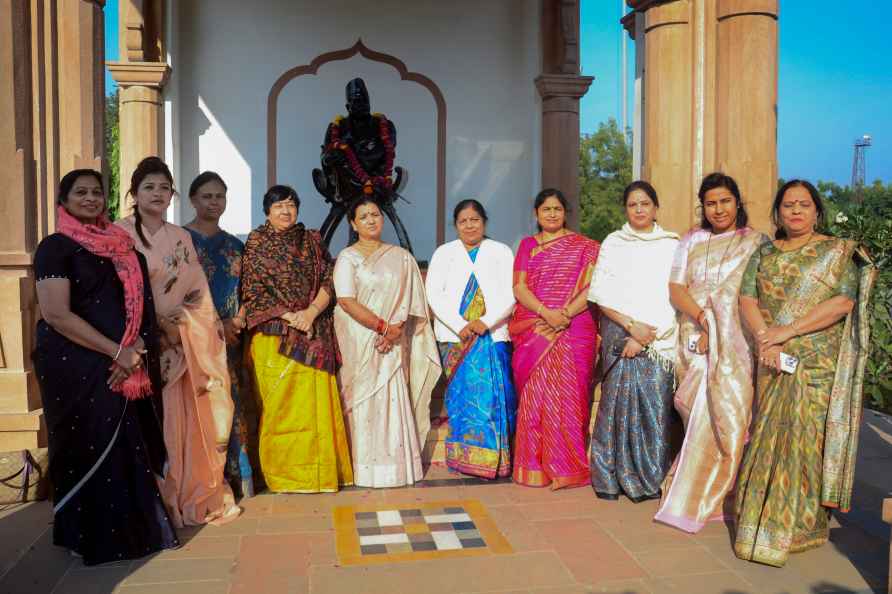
pixel 358 98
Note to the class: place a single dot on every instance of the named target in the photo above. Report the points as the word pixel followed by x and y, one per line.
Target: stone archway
pixel 359 48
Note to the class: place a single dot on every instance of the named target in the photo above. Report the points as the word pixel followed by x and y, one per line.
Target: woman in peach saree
pixel 197 407
pixel 555 340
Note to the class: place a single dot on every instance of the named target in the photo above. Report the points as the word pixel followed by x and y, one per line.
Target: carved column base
pixel 560 135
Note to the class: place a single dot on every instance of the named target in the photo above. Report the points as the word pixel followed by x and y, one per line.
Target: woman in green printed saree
pixel 803 295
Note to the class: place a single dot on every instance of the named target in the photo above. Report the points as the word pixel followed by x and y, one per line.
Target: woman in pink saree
pixel 555 341
pixel 196 403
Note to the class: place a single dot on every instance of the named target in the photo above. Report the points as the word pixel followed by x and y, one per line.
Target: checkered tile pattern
pixel 415 530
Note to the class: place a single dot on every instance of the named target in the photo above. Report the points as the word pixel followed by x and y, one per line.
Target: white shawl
pixel 632 277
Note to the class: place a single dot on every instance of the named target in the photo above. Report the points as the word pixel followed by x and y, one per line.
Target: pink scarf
pixel 112 242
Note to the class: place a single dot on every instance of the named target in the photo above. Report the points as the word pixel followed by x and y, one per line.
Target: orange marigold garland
pixel 369 182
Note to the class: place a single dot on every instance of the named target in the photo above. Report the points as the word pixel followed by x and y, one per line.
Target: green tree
pixel 112 154
pixel 605 169
pixel 868 219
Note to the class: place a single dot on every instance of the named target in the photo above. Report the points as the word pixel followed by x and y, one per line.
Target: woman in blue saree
pixel 469 288
pixel 220 255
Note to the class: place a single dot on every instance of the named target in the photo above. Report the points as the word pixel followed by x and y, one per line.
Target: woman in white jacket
pixel 469 288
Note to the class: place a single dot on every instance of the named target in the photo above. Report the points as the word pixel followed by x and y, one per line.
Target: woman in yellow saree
pixel 287 291
pixel 197 406
pixel 391 363
pixel 802 296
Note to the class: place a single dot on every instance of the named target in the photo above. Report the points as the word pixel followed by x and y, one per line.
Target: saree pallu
pixel 553 371
pixel 800 462
pixel 198 407
pixel 221 258
pixel 480 399
pixel 715 390
pixel 303 442
pixel 630 442
pixel 386 396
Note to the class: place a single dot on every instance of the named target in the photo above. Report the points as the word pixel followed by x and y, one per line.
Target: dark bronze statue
pixel 357 160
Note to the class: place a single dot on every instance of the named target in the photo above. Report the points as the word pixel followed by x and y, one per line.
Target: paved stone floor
pixel 565 542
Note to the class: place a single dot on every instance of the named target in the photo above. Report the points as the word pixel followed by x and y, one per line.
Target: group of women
pixel 147 329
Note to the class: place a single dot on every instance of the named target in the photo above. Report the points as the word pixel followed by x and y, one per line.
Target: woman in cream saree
pixel 197 406
pixel 715 383
pixel 390 362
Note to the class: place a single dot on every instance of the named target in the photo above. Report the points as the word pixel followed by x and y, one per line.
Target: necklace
pixel 718 274
pixel 369 248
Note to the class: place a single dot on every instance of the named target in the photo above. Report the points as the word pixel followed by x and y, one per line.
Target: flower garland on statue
pixel 368 182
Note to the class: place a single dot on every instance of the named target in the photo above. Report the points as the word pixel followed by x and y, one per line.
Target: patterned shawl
pixel 283 271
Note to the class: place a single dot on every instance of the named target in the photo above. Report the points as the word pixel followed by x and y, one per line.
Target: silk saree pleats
pixel 303 441
pixel 630 441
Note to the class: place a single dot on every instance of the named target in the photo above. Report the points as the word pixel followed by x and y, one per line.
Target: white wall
pixel 483 55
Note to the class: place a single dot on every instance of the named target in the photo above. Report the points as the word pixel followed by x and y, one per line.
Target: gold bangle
pixel 539 310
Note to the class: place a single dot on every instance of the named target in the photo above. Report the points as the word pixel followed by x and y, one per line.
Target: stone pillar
pixel 746 130
pixel 668 119
pixel 140 116
pixel 561 86
pixel 51 121
pixel 141 74
pixel 19 398
pixel 709 101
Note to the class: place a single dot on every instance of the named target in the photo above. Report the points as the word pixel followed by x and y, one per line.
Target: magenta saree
pixel 553 371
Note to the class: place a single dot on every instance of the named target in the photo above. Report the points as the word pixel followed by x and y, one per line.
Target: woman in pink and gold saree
pixel 390 361
pixel 197 406
pixel 714 366
pixel 555 342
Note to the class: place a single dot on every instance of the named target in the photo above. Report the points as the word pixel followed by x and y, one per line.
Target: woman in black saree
pixel 97 365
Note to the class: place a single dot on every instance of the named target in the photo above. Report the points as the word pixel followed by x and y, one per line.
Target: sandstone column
pixel 19 398
pixel 561 86
pixel 709 101
pixel 51 121
pixel 141 116
pixel 746 106
pixel 141 74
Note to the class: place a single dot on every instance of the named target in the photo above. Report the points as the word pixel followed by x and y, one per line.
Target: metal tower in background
pixel 859 163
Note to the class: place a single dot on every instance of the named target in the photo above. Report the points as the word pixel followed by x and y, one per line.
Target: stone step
pixel 22 431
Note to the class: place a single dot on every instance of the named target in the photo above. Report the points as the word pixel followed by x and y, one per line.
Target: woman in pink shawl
pixel 555 341
pixel 197 407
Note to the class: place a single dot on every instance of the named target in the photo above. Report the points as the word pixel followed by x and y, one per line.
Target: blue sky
pixel 835 84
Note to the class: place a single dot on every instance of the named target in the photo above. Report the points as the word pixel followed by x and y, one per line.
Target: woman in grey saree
pixel 630 442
